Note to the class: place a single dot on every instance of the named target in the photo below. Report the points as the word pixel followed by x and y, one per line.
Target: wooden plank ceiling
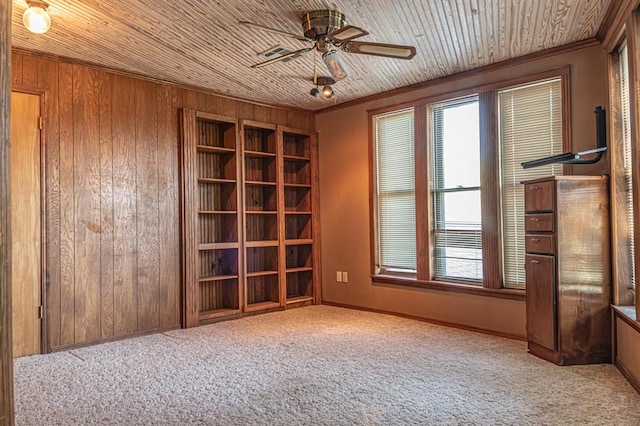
pixel 200 43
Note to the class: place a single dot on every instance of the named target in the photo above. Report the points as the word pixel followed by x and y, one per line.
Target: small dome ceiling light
pixel 36 18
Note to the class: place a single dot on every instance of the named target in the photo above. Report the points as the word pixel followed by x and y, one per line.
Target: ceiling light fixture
pixel 327 92
pixel 337 66
pixel 36 18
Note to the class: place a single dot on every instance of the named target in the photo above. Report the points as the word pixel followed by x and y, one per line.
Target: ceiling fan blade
pixel 283 57
pixel 381 49
pixel 347 33
pixel 273 30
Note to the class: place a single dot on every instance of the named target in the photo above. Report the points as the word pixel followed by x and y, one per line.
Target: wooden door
pixel 541 297
pixel 25 224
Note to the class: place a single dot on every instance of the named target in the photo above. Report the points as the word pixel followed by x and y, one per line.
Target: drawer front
pixel 542 244
pixel 538 197
pixel 538 222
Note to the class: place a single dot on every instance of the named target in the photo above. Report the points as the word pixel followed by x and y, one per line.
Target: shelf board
pixel 261 212
pixel 262 243
pixel 259 183
pixel 298 299
pixel 217 278
pixel 215 149
pixel 261 273
pixel 300 269
pixel 295 158
pixel 298 242
pixel 211 180
pixel 217 246
pixel 217 313
pixel 297 185
pixel 262 305
pixel 296 211
pixel 217 212
pixel 260 154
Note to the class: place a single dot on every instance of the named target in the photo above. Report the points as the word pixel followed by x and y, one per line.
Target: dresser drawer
pixel 538 197
pixel 542 244
pixel 538 222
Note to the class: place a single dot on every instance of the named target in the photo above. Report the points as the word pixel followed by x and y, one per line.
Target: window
pixel 530 127
pixel 395 192
pixel 448 206
pixel 456 189
pixel 626 160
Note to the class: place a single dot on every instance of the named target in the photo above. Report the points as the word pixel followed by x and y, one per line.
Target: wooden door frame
pixel 44 281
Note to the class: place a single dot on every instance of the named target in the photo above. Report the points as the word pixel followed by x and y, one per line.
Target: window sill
pixel 502 293
pixel 628 315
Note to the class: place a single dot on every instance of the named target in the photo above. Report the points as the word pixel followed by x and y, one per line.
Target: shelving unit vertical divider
pixel 189 212
pixel 282 247
pixel 315 219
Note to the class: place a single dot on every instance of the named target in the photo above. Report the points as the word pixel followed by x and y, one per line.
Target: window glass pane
pixel 626 143
pixel 458 237
pixel 530 127
pixel 456 189
pixel 395 192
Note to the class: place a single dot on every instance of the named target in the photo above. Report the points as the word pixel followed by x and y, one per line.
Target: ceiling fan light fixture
pixel 314 92
pixel 36 18
pixel 336 65
pixel 327 92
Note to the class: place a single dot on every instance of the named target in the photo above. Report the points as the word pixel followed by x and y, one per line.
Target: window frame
pixel 489 181
pixel 436 192
pixel 620 233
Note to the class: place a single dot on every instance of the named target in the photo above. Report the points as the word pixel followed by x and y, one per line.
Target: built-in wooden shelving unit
pixel 250 242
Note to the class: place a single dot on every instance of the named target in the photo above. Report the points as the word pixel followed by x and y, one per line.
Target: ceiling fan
pixel 327 31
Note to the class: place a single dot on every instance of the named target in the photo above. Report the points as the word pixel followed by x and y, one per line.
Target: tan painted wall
pixel 344 197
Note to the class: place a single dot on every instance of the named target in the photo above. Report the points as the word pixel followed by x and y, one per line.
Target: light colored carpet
pixel 317 365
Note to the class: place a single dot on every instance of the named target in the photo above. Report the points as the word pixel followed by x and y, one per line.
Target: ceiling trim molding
pixel 613 23
pixel 466 74
pixel 52 57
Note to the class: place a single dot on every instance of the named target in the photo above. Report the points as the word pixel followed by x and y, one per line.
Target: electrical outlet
pixel 339 276
pixel 345 277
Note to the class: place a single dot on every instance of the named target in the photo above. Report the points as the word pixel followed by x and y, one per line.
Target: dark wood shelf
pixel 217 313
pixel 297 185
pixel 295 158
pixel 300 269
pixel 231 212
pixel 298 242
pixel 262 305
pixel 219 181
pixel 298 299
pixel 259 154
pixel 261 273
pixel 217 278
pixel 215 149
pixel 262 243
pixel 218 246
pixel 259 183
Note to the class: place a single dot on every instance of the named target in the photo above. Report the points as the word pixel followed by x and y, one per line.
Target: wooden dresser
pixel 568 269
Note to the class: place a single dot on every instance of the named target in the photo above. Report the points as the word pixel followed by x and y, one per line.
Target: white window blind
pixel 395 191
pixel 626 142
pixel 530 127
pixel 456 189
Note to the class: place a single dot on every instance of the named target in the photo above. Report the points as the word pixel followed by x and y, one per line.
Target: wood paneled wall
pixel 6 349
pixel 112 195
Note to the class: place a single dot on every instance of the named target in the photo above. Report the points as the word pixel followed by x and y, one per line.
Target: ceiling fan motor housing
pixel 319 23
